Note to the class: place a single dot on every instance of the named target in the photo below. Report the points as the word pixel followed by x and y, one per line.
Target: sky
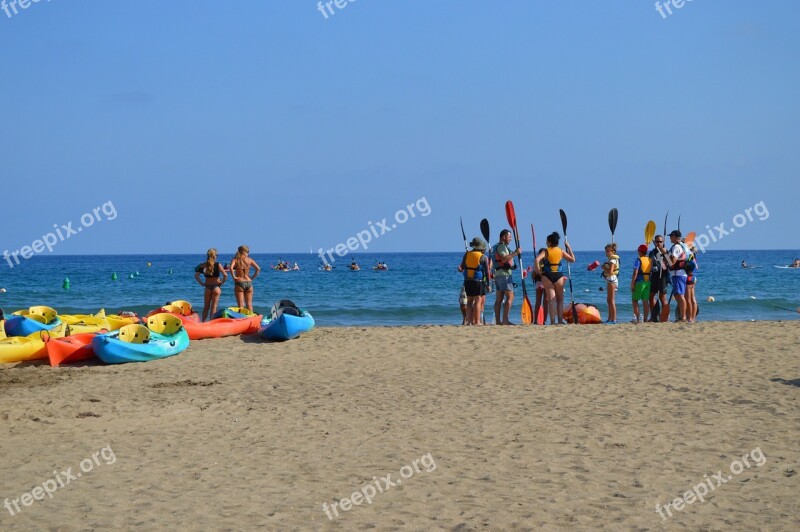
pixel 268 123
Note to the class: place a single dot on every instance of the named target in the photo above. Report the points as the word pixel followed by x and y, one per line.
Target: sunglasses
pixel 659 241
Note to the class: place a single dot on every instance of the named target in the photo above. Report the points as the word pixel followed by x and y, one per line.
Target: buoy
pixel 3 291
pixel 130 276
pixel 170 271
pixel 710 299
pixel 65 285
pixel 149 264
pixel 114 276
pixel 752 297
pixel 136 274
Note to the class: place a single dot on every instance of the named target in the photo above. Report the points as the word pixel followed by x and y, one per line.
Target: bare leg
pixel 611 295
pixel 664 307
pixel 239 293
pixel 206 302
pixel 248 296
pixel 498 304
pixel 560 300
pixel 214 301
pixel 507 306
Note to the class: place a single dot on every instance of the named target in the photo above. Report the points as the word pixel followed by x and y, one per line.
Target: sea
pixel 418 288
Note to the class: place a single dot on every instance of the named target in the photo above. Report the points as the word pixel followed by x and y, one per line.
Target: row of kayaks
pixel 39 332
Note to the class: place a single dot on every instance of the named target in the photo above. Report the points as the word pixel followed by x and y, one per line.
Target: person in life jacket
pixel 548 264
pixel 691 283
pixel 677 258
pixel 640 284
pixel 503 264
pixel 541 298
pixel 659 279
pixel 611 275
pixel 475 266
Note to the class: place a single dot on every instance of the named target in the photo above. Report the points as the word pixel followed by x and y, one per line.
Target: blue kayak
pixel 23 326
pixel 137 343
pixel 286 321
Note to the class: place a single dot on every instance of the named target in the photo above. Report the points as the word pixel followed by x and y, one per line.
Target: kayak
pixel 220 327
pixel 183 309
pixel 117 321
pixel 235 313
pixel 86 323
pixel 587 314
pixel 163 337
pixel 69 348
pixel 24 348
pixel 33 320
pixel 286 321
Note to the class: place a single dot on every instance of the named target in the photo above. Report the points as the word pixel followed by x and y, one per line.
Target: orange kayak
pixel 586 313
pixel 69 348
pixel 221 327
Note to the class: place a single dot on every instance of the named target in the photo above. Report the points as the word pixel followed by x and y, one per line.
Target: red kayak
pixel 70 348
pixel 221 327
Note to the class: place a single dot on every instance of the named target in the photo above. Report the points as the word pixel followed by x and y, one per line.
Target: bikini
pixel 244 285
pixel 214 275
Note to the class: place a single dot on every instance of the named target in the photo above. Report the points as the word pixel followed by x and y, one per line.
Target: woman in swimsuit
pixel 548 264
pixel 240 271
pixel 212 271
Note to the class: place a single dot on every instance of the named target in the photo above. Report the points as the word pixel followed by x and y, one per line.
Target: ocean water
pixel 419 288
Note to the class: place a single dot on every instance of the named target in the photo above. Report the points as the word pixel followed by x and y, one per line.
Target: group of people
pixel 211 275
pixel 284 266
pixel 653 272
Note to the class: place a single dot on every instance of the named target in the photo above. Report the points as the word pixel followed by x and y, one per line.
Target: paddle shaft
pixel 569 270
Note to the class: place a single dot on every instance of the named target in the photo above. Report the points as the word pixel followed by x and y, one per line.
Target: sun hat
pixel 478 243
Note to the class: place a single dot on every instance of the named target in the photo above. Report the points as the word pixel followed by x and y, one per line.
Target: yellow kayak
pixel 23 348
pixel 116 321
pixel 86 323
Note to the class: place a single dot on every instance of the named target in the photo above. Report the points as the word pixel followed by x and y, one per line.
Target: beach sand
pixel 579 427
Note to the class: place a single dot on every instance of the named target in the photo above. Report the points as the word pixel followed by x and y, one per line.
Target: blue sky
pixel 221 123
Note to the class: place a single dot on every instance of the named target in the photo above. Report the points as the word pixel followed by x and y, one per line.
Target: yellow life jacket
pixel 473 267
pixel 552 260
pixel 647 266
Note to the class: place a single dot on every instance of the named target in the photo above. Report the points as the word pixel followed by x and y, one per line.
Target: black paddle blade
pixel 485 229
pixel 613 214
pixel 563 220
pixel 463 234
pixel 679 223
pixel 665 223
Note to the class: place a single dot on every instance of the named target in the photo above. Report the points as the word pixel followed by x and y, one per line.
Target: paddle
pixel 649 232
pixel 527 309
pixel 679 222
pixel 690 238
pixel 463 234
pixel 539 315
pixel 569 271
pixel 613 214
pixel 485 230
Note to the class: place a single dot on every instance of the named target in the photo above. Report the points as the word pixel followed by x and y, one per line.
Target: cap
pixel 676 233
pixel 642 248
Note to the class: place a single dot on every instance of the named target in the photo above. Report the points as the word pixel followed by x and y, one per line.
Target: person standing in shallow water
pixel 240 271
pixel 211 271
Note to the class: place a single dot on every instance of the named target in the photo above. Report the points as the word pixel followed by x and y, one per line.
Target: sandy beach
pixel 476 428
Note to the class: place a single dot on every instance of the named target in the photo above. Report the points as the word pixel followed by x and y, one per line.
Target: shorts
pixel 641 290
pixel 679 285
pixel 658 284
pixel 691 280
pixel 503 283
pixel 473 287
pixel 612 280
